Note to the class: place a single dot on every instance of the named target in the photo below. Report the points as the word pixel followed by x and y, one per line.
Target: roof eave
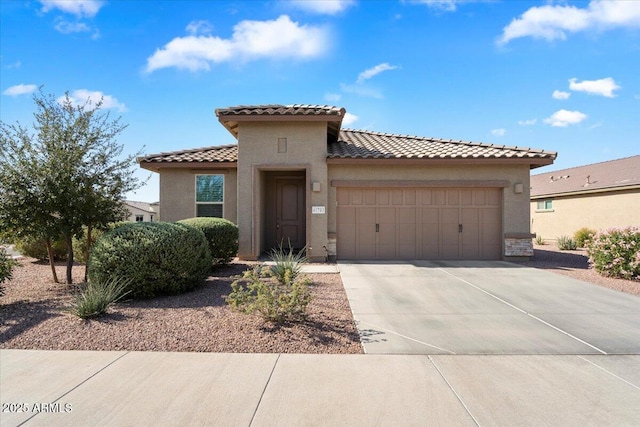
pixel 533 163
pixel 231 122
pixel 581 192
pixel 156 166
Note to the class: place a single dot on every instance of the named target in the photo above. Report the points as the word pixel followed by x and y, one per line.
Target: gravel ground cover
pixel 576 264
pixel 32 317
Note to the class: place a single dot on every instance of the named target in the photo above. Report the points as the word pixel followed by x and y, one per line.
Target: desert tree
pixel 68 173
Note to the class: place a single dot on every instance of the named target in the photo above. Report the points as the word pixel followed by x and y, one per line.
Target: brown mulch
pixel 32 316
pixel 576 264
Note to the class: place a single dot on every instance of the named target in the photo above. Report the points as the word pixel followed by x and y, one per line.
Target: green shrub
pixel 277 302
pixel 221 234
pixel 566 243
pixel 97 297
pixel 616 252
pixel 80 242
pixel 287 264
pixel 37 248
pixel 540 241
pixel 583 235
pixel 158 257
pixel 6 268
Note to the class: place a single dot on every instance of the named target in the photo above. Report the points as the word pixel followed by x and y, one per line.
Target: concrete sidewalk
pixel 71 388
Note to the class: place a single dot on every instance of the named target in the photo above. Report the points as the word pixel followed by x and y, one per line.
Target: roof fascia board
pixel 581 192
pixel 430 161
pixel 155 166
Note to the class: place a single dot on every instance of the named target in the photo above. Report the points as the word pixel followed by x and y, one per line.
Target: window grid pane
pixel 209 210
pixel 209 188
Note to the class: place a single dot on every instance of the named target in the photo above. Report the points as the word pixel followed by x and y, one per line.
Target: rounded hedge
pixel 80 242
pixel 158 258
pixel 221 234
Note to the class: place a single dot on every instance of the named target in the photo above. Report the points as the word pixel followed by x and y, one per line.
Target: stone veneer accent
pixel 518 247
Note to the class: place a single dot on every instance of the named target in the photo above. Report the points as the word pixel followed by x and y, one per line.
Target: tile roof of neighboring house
pixel 355 144
pixel 143 206
pixel 280 110
pixel 613 174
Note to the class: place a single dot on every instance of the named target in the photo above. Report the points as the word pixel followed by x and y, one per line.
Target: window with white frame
pixel 139 218
pixel 545 205
pixel 209 195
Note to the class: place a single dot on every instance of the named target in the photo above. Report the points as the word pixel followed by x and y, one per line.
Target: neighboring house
pixel 597 196
pixel 296 176
pixel 142 211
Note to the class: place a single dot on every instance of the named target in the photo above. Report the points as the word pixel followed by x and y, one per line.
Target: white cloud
pixel 558 94
pixel 251 40
pixel 551 22
pixel 529 122
pixel 361 90
pixel 604 87
pixel 373 71
pixel 445 5
pixel 66 27
pixel 79 8
pixel 199 27
pixel 332 97
pixel 349 119
pixel 564 118
pixel 498 132
pixel 81 96
pixel 16 64
pixel 20 89
pixel 323 7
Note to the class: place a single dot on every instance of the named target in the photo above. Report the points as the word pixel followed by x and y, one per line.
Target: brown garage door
pixel 419 223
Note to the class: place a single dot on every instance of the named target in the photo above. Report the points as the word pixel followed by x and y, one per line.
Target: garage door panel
pixel 419 223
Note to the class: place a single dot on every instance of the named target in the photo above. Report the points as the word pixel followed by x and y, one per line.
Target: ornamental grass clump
pixel 97 297
pixel 583 235
pixel 287 263
pixel 616 252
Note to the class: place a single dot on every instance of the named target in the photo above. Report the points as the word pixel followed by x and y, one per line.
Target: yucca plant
pixel 288 265
pixel 98 296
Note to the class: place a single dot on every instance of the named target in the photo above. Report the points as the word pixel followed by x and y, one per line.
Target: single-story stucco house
pixel 295 176
pixel 597 196
pixel 142 211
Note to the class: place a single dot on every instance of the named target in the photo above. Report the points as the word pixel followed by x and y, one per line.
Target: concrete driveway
pixel 497 308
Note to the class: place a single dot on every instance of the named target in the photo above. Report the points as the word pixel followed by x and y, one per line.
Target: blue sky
pixel 562 76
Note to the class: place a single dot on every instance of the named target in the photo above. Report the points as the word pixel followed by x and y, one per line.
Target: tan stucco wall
pixel 178 194
pixel 597 211
pixel 515 206
pixel 257 153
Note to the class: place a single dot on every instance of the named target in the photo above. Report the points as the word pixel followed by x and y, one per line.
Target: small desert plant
pixel 616 252
pixel 97 297
pixel 287 263
pixel 6 268
pixel 276 302
pixel 539 240
pixel 33 247
pixel 583 235
pixel 566 243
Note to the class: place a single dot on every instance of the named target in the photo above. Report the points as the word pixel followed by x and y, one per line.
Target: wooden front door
pixel 290 212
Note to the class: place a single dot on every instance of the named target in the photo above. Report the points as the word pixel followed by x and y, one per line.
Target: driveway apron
pixel 477 307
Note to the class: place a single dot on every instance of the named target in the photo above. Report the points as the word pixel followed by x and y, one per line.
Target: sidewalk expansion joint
pixel 464 405
pixel 265 389
pixel 77 385
pixel 608 372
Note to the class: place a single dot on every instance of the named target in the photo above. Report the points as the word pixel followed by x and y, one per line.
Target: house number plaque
pixel 317 210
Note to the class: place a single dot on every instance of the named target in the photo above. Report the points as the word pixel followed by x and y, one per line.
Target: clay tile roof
pixel 217 154
pixel 613 174
pixel 357 144
pixel 281 110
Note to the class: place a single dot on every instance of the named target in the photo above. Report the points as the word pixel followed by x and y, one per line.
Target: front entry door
pixel 290 212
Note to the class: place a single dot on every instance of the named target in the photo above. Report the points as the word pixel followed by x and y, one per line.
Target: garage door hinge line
pixel 454 391
pixel 406 337
pixel 524 312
